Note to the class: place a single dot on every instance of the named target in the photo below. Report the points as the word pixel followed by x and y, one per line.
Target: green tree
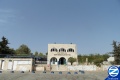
pixel 116 52
pixel 97 58
pixel 71 60
pixel 98 61
pixel 46 53
pixel 36 53
pixel 106 56
pixel 4 48
pixel 23 50
pixel 12 51
pixel 41 54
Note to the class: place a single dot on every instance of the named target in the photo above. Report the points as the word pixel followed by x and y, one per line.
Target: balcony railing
pixel 62 54
pixel 40 62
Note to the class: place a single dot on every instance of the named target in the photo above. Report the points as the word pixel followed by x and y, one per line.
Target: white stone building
pixel 111 59
pixel 58 54
pixel 16 64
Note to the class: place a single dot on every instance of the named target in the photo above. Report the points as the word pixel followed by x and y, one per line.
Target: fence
pixel 83 67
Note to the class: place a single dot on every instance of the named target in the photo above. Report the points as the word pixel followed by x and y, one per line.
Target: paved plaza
pixel 96 75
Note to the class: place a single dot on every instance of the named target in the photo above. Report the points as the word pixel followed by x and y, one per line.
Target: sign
pixel 113 73
pixel 61 54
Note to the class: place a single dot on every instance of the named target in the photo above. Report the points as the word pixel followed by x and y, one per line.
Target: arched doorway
pixel 62 61
pixel 53 60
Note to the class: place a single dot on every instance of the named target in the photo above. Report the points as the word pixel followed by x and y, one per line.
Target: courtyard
pixel 88 75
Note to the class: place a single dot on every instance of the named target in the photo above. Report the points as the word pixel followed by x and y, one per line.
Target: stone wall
pixel 82 67
pixel 16 64
pixel 89 67
pixel 39 67
pixel 105 67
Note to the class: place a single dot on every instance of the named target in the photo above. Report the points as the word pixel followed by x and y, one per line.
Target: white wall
pixel 10 65
pixel 17 64
pixel 105 67
pixel 82 67
pixel 89 67
pixel 22 65
pixel 3 63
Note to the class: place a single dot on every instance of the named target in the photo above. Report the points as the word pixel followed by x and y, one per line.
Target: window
pixel 53 50
pixel 62 50
pixel 70 50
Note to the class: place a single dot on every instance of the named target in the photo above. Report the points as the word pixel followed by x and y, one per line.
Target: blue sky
pixel 91 24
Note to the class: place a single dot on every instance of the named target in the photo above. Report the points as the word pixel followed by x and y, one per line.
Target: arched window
pixel 53 50
pixel 62 50
pixel 53 60
pixel 70 50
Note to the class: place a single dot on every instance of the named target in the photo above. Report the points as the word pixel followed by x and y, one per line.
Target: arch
pixel 62 50
pixel 54 50
pixel 53 60
pixel 70 50
pixel 62 61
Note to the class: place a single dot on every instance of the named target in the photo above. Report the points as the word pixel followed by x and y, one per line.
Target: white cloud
pixel 6 16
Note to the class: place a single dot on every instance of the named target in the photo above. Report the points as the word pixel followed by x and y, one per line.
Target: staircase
pixel 62 68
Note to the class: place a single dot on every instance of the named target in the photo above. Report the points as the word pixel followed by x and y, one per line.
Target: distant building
pixel 16 63
pixel 58 54
pixel 110 59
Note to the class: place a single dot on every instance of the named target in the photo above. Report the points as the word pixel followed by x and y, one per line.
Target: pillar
pixel 0 64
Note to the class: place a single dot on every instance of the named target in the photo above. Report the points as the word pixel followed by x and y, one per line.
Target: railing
pixel 40 62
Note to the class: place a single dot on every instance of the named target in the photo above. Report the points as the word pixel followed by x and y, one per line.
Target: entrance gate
pixel 62 61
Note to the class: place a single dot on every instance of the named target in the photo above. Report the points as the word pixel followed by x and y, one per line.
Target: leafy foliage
pixel 4 48
pixel 46 53
pixel 71 60
pixel 23 49
pixel 36 53
pixel 96 59
pixel 41 54
pixel 116 52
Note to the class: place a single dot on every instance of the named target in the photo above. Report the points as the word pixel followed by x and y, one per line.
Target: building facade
pixel 16 64
pixel 58 54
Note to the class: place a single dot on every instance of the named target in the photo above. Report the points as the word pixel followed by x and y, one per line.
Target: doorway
pixel 62 61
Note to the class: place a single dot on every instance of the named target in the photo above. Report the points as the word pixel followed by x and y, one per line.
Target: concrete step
pixel 62 68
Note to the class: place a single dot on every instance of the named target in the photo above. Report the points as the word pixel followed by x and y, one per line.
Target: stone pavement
pixel 100 75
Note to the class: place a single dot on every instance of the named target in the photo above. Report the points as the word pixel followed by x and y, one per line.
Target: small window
pixel 62 50
pixel 70 50
pixel 53 50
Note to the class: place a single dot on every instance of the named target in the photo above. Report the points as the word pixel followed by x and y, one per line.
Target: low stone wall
pixel 16 64
pixel 89 67
pixel 105 67
pixel 82 67
pixel 39 68
pixel 23 68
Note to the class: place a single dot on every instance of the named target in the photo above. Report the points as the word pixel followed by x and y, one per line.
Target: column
pixel 0 64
